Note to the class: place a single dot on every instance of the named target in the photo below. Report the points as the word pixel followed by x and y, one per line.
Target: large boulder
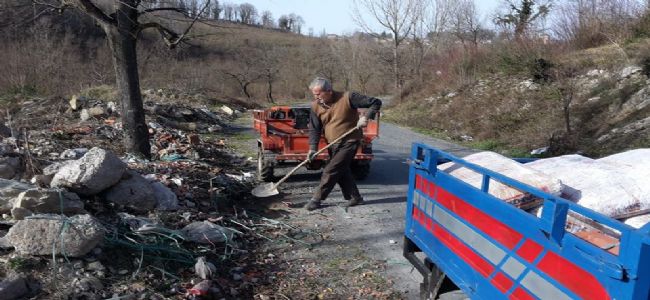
pixel 43 234
pixel 133 192
pixel 91 174
pixel 14 286
pixel 9 167
pixel 45 201
pixel 9 191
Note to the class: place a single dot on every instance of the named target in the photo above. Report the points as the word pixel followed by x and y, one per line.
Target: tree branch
pixel 91 9
pixel 150 10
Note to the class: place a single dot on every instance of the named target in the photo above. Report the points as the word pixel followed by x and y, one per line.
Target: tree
pixel 246 69
pixel 522 16
pixel 229 12
pixel 267 19
pixel 283 23
pixel 247 13
pixel 216 10
pixel 122 26
pixel 398 17
pixel 465 23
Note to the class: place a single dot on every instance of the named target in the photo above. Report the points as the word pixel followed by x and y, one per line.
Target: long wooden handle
pixel 304 162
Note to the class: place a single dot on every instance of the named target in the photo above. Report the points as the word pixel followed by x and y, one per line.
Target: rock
pixel 5 131
pixel 165 198
pixel 9 190
pixel 54 168
pixel 42 234
pixel 629 71
pixel 41 180
pixel 46 201
pixel 73 153
pixel 88 284
pixel 78 102
pixel 14 287
pixel 9 167
pixel 95 266
pixel 84 115
pixel 91 174
pixel 595 73
pixel 96 111
pixel 229 111
pixel 206 233
pixel 134 192
pixel 5 244
pixel 19 213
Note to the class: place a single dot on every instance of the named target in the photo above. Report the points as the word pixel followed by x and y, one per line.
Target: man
pixel 335 113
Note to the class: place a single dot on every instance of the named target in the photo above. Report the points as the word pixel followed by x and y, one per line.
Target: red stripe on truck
pixel 502 282
pixel 529 250
pixel 489 225
pixel 521 294
pixel 572 277
pixel 467 254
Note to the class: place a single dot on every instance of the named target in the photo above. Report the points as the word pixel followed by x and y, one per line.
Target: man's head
pixel 321 88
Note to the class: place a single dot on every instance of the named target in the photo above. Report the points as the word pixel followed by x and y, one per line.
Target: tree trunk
pixel 270 90
pixel 398 86
pixel 122 40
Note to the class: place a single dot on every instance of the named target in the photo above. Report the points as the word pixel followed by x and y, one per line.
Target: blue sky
pixel 332 15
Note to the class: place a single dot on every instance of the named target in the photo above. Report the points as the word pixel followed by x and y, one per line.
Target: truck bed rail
pixel 494 250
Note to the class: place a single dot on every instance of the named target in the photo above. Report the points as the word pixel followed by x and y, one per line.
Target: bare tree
pixel 466 24
pixel 590 23
pixel 267 19
pixel 216 10
pixel 229 11
pixel 428 31
pixel 398 17
pixel 122 25
pixel 247 13
pixel 296 23
pixel 245 70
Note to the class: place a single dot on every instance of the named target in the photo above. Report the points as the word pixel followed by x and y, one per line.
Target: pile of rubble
pixel 82 219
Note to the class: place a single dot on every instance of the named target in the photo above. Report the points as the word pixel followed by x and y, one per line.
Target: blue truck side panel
pixel 622 276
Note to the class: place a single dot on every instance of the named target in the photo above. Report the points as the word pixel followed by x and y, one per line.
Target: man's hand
pixel 363 122
pixel 311 155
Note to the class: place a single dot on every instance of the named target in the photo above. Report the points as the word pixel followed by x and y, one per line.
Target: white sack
pixel 604 187
pixel 507 167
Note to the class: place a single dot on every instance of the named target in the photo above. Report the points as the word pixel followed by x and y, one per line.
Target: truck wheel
pixel 360 170
pixel 264 168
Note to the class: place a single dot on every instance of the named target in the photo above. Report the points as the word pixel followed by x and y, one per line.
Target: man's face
pixel 319 94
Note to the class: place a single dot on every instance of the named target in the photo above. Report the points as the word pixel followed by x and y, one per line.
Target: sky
pixel 333 16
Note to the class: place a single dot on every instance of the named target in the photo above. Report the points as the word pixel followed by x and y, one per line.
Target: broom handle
pixel 304 162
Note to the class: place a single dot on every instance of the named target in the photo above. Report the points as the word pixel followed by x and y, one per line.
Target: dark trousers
pixel 338 171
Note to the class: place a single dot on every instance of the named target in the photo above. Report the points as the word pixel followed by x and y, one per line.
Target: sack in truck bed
pixel 604 186
pixel 508 167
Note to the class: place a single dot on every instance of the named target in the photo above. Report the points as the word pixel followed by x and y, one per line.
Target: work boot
pixel 312 205
pixel 353 202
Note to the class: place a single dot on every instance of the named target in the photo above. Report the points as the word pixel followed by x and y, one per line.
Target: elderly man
pixel 334 113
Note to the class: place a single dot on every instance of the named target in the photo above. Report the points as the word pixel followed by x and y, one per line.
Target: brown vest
pixel 339 118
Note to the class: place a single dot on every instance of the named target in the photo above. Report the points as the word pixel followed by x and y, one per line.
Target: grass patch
pixel 101 92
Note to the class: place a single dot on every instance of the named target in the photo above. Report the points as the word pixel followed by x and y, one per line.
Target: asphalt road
pixel 377 226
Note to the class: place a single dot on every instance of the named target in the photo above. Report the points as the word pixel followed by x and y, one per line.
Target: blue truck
pixel 469 244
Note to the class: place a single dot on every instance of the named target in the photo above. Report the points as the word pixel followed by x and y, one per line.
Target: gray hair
pixel 323 83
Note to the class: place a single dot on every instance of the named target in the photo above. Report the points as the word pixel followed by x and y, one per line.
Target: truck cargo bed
pixel 494 250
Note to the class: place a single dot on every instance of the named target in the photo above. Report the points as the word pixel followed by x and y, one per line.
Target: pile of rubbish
pixel 82 219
